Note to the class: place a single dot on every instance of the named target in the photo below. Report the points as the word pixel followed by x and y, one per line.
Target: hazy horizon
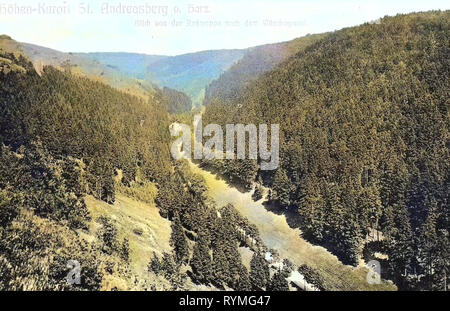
pixel 173 28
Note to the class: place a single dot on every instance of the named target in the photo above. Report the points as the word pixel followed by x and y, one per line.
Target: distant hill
pixel 131 64
pixel 188 73
pixel 256 62
pixel 191 73
pixel 137 73
pixel 83 64
pixel 8 44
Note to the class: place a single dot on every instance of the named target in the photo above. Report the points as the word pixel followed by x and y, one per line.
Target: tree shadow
pixel 291 214
pixel 241 187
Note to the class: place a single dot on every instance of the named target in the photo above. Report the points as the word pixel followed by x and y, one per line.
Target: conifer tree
pixel 201 261
pixel 243 282
pixel 178 241
pixel 125 250
pixel 278 282
pixel 429 246
pixel 281 188
pixel 168 266
pixel 259 272
pixel 154 264
pixel 219 265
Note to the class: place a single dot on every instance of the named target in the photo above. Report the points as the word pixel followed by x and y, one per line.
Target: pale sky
pixel 174 27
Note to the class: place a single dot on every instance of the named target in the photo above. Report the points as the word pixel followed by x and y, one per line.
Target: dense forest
pixel 64 137
pixel 255 62
pixel 364 143
pixel 364 163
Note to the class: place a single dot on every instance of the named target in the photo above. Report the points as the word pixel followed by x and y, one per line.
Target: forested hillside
pixel 187 73
pixel 191 73
pixel 364 142
pixel 68 145
pixel 256 62
pixel 62 137
pixel 91 66
pixel 138 73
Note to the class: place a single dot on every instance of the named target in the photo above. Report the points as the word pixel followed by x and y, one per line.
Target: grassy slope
pixel 130 217
pixel 147 232
pixel 9 45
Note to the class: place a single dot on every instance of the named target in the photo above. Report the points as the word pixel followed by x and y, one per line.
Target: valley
pixel 360 135
pixel 278 235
